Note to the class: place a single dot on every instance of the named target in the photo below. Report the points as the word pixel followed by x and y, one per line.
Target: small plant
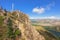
pixel 10 29
pixel 1 20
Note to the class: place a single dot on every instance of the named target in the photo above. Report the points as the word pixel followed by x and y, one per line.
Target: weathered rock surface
pixel 22 22
pixel 28 32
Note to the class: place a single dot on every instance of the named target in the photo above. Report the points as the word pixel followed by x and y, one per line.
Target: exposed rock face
pixel 28 32
pixel 21 21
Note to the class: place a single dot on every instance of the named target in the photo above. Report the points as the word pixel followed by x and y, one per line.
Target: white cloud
pixel 39 10
pixel 50 5
pixel 12 6
pixel 46 17
pixel 50 17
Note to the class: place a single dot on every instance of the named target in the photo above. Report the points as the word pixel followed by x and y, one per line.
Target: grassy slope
pixel 48 35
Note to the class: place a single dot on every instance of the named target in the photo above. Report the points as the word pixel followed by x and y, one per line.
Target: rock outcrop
pixel 28 32
pixel 22 22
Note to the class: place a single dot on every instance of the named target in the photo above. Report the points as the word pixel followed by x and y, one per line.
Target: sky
pixel 35 9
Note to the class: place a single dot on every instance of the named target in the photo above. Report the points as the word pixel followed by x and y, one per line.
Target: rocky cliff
pixel 17 20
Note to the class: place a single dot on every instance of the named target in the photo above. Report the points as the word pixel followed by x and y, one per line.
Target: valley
pixel 48 26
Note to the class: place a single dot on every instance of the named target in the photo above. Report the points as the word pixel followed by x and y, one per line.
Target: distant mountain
pixel 49 22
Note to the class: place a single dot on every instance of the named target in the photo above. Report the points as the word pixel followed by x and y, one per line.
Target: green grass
pixel 47 34
pixel 1 20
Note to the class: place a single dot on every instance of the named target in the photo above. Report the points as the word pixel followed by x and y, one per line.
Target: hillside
pixel 46 33
pixel 16 25
pixel 51 32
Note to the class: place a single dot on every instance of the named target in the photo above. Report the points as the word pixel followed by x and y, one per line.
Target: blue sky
pixel 34 8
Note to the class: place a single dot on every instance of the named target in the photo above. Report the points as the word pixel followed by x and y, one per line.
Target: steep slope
pixel 47 34
pixel 28 32
pixel 17 20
